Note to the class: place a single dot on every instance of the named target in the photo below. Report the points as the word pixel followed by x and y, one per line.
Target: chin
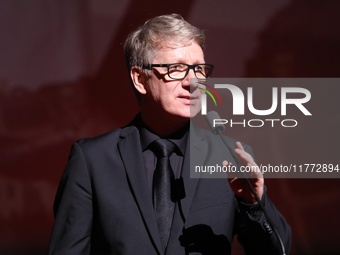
pixel 194 110
pixel 180 115
pixel 185 112
pixel 188 114
pixel 183 115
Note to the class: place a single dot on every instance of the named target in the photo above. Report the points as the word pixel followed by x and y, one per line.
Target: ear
pixel 138 79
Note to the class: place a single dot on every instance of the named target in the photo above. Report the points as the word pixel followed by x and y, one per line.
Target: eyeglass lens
pixel 179 71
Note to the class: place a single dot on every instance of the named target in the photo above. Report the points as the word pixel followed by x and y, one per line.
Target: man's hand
pixel 239 185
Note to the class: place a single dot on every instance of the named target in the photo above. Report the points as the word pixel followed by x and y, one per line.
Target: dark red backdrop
pixel 62 77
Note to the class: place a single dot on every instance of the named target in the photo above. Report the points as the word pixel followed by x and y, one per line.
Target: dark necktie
pixel 162 178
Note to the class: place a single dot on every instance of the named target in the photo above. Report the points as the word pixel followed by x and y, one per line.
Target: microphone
pixel 217 129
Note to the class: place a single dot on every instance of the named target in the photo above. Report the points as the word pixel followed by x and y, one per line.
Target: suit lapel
pixel 196 145
pixel 198 148
pixel 130 151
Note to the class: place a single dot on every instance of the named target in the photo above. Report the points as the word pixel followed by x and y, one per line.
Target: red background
pixel 63 77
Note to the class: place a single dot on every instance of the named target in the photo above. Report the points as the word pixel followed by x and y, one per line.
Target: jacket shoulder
pixel 101 140
pixel 106 140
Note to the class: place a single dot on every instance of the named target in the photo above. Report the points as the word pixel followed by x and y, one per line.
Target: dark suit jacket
pixel 104 205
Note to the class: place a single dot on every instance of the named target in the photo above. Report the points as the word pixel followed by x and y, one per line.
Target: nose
pixel 190 80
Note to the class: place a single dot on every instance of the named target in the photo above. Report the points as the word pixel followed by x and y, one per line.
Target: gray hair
pixel 162 31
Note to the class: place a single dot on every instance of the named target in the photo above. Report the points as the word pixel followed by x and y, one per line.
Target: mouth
pixel 188 100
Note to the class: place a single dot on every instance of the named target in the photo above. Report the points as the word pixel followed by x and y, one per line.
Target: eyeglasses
pixel 179 71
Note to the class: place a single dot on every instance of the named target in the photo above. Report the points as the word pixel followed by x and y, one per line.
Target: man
pixel 115 196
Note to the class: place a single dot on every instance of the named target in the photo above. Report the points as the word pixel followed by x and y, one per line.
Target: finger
pixel 231 174
pixel 244 157
pixel 226 163
pixel 239 145
pixel 236 185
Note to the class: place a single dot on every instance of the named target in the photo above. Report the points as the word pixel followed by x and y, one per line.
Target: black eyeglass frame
pixel 150 66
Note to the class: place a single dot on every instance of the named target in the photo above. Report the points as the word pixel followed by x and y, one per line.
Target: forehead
pixel 186 53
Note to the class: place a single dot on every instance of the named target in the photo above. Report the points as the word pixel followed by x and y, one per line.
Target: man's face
pixel 174 98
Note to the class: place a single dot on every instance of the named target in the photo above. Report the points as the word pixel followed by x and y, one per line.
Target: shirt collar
pixel 179 138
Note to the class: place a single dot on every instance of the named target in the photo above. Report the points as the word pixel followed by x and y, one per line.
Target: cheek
pixel 168 100
pixel 153 92
pixel 166 93
pixel 163 93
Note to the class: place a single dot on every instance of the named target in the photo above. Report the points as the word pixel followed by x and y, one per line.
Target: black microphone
pixel 217 129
